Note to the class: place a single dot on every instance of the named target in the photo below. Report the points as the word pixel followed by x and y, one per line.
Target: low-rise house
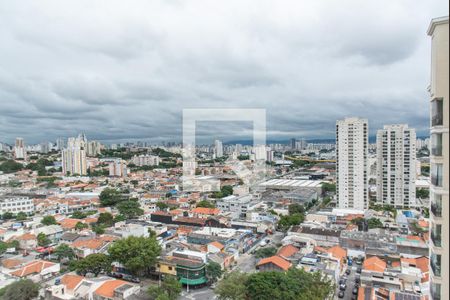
pixel 37 270
pixel 273 263
pixel 85 247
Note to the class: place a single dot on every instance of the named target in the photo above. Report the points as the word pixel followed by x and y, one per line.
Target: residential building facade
pixel 351 163
pixel 396 162
pixel 439 159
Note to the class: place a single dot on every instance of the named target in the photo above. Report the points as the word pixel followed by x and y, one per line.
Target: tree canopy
pixel 170 289
pixel 213 271
pixel 48 220
pixel 24 289
pixel 130 209
pixel 295 284
pixel 94 263
pixel 137 254
pixel 205 203
pixel 110 197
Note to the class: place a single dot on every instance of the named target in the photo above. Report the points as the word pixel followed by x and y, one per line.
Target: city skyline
pixel 68 85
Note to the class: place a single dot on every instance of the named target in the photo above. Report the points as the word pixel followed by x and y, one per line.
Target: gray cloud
pixel 118 71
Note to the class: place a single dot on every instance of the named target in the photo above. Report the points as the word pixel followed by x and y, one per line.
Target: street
pixel 350 284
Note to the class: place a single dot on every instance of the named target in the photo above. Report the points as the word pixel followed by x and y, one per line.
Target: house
pixel 27 241
pixel 215 247
pixel 288 252
pixel 115 289
pixel 222 258
pixel 85 247
pixel 204 212
pixel 273 263
pixel 37 270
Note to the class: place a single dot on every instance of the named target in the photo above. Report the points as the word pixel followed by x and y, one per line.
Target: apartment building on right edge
pixel 439 159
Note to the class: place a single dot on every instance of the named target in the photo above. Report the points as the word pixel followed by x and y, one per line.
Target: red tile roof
pixel 374 264
pixel 276 260
pixel 287 251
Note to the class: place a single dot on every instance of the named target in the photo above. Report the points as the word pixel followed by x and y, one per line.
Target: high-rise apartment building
pixel 439 160
pixel 396 166
pixel 93 148
pixel 351 163
pixel 74 156
pixel 218 148
pixel 118 168
pixel 19 149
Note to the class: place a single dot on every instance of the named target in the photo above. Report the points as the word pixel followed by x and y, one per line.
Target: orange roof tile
pixel 91 244
pixel 423 223
pixel 71 281
pixel 25 237
pixel 10 263
pixel 374 264
pixel 107 288
pixel 68 223
pixel 276 260
pixel 287 251
pixel 218 245
pixel 337 252
pixel 32 268
pixel 206 211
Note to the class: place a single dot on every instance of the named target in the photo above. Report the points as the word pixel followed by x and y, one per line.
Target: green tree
pixel 130 209
pixel 7 216
pixel 78 215
pixel 227 190
pixel 205 203
pixel 94 263
pixel 119 218
pixel 213 271
pixel 265 252
pixel 98 229
pixel 10 166
pixel 328 187
pixel 374 223
pixel 422 193
pixel 106 219
pixel 137 254
pixel 4 246
pixel 287 221
pixel 24 289
pixel 64 251
pixel 110 197
pixel 21 216
pixel 296 209
pixel 232 286
pixel 43 240
pixel 295 284
pixel 81 226
pixel 161 205
pixel 170 289
pixel 48 220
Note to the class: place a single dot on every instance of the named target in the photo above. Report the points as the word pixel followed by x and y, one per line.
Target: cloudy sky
pixel 122 70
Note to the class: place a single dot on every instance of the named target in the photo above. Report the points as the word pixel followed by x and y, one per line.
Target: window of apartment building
pixel 437 109
pixel 436 144
pixel 435 291
pixel 436 205
pixel 436 174
pixel 436 231
pixel 435 263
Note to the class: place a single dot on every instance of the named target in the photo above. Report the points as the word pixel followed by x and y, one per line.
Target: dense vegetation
pixel 295 284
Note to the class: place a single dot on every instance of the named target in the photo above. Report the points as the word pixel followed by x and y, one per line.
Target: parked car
pixel 359 270
pixel 355 291
pixel 342 287
pixel 348 271
pixel 342 281
pixel 357 280
pixel 341 294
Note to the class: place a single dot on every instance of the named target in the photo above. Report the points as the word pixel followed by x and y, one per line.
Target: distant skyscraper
pixel 351 163
pixel 60 143
pixel 293 144
pixel 93 148
pixel 74 156
pixel 218 147
pixel 118 168
pixel 396 166
pixel 44 147
pixel 439 160
pixel 19 149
